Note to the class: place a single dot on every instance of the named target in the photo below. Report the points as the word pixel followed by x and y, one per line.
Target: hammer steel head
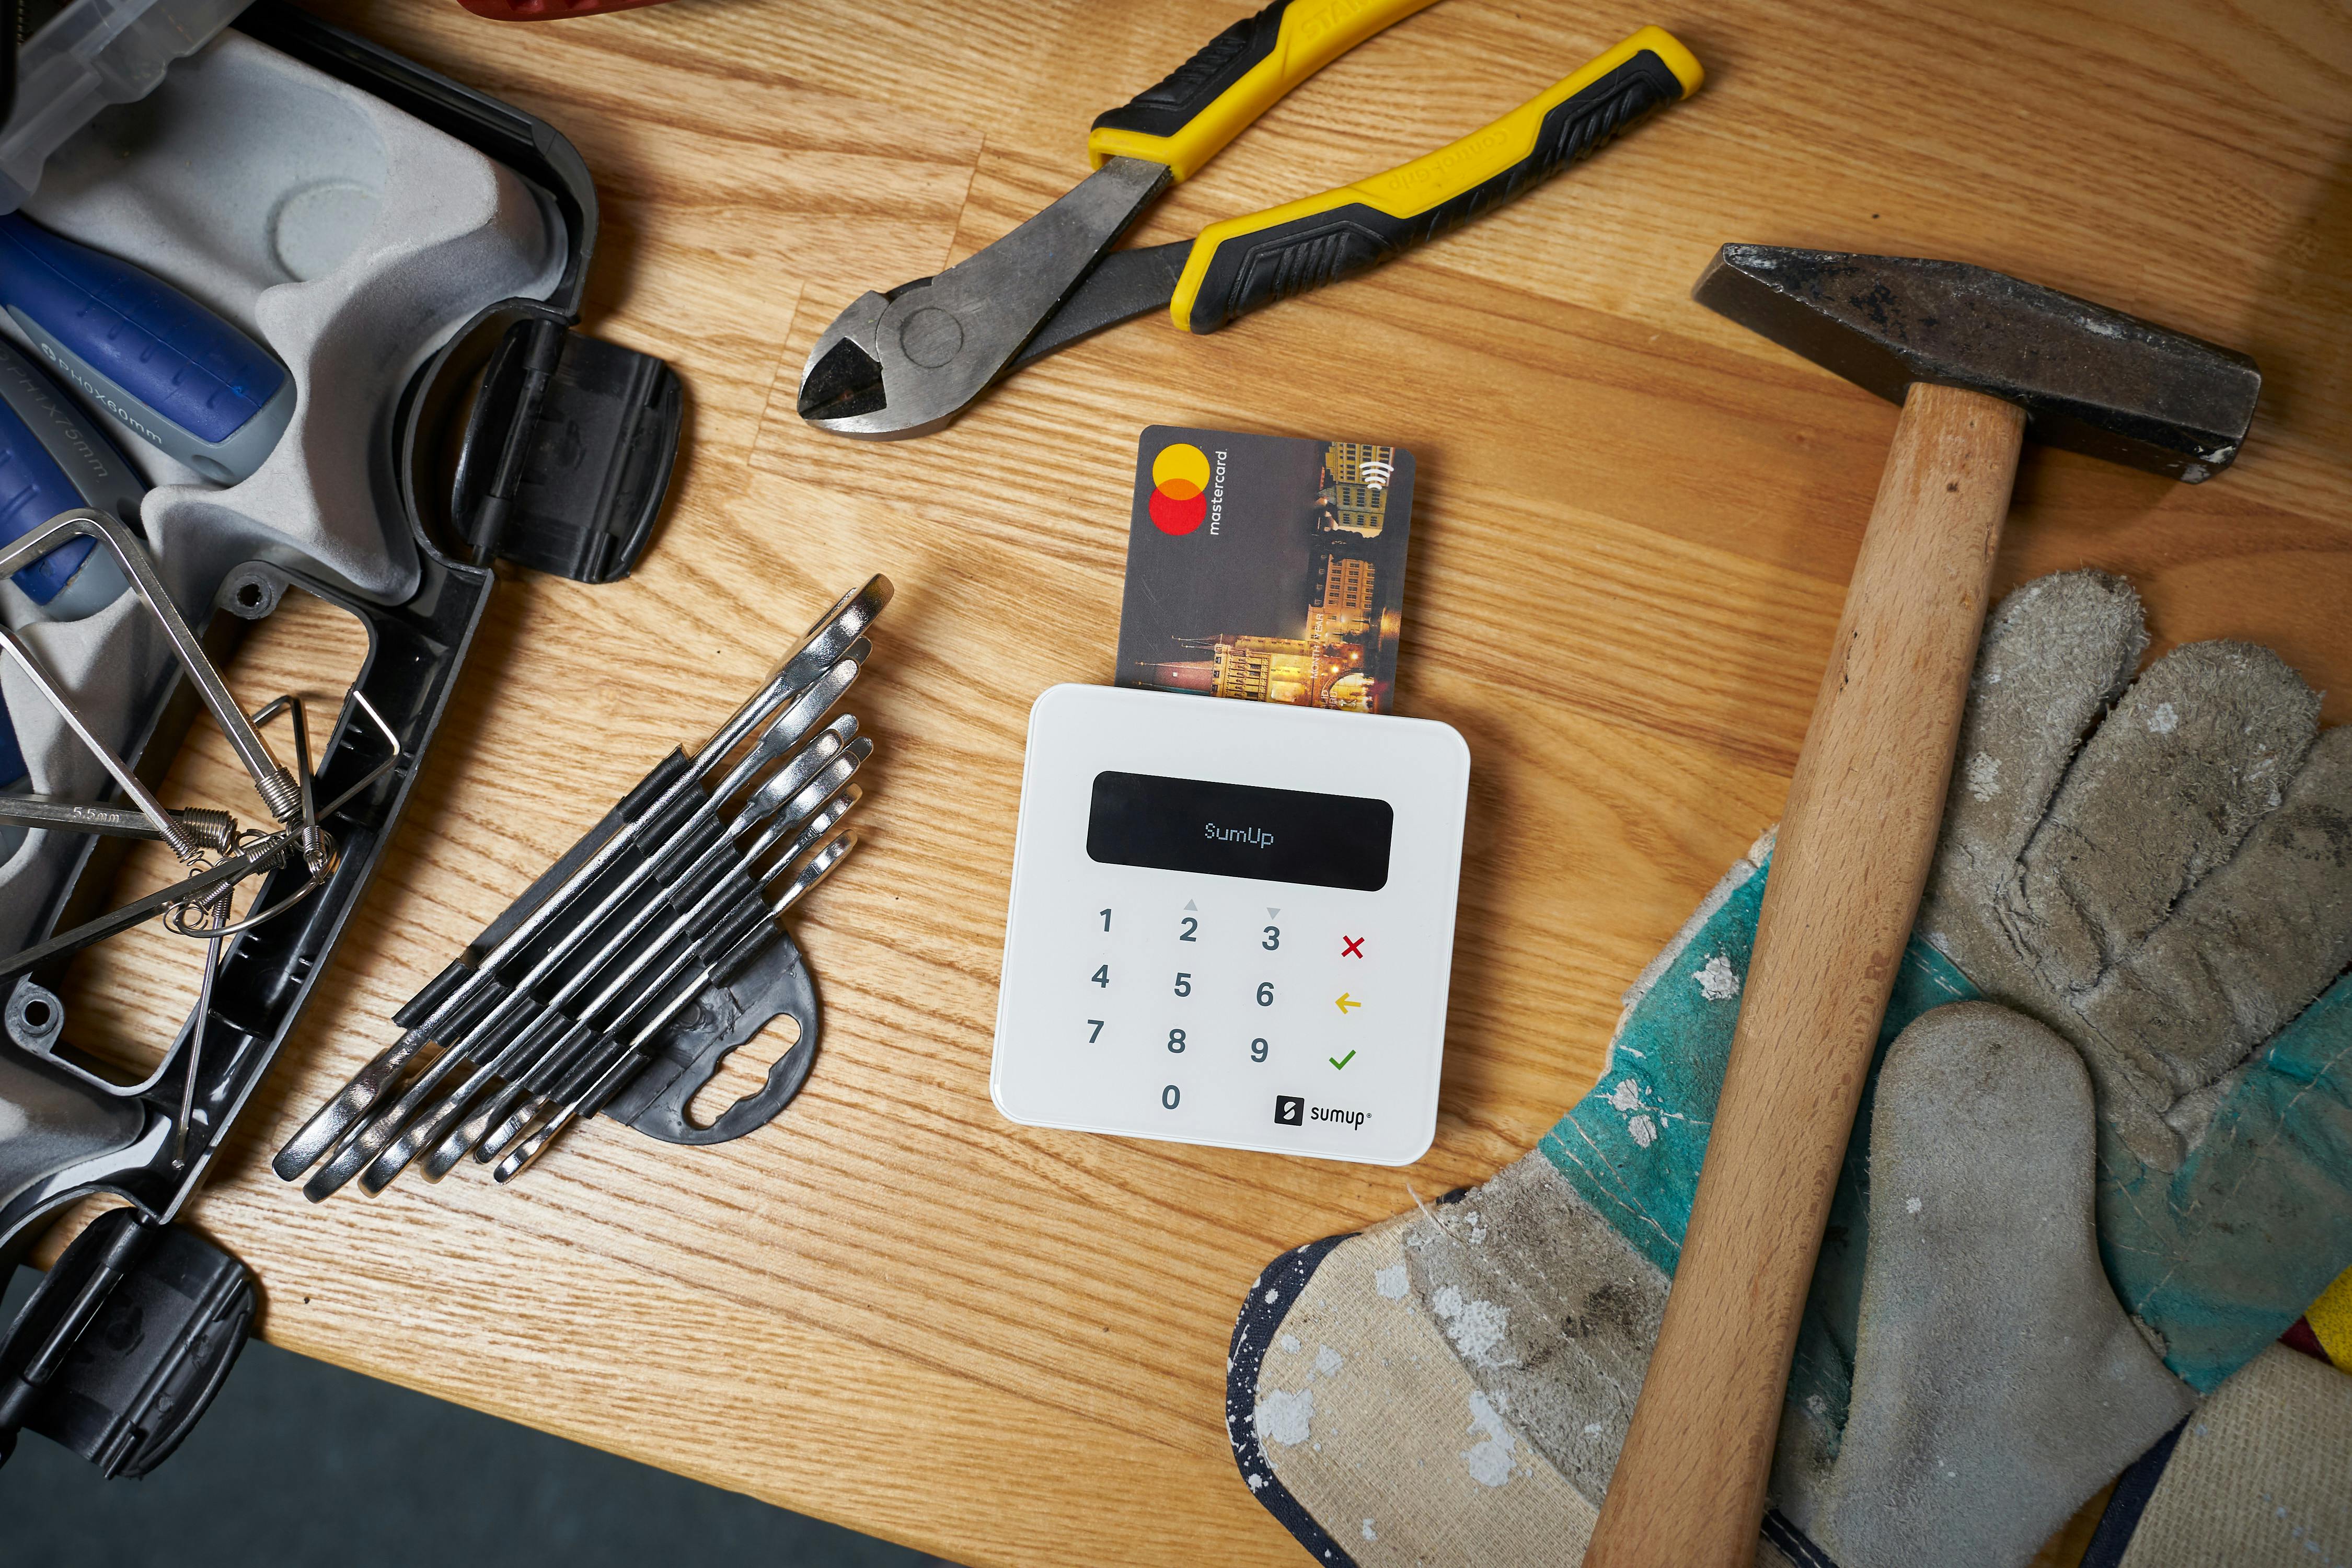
pixel 2090 379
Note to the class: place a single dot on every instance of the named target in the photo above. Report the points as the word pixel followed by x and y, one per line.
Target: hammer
pixel 1972 356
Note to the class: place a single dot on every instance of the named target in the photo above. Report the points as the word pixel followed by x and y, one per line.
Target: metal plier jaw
pixel 904 363
pixel 908 362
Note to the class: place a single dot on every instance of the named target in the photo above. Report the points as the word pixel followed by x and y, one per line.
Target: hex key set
pixel 626 973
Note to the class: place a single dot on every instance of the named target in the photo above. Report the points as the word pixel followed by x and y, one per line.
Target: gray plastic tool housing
pixel 349 239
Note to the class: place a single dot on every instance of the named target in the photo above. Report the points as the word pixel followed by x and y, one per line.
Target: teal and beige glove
pixel 2106 1159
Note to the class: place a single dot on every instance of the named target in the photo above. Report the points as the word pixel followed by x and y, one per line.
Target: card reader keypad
pixel 1231 999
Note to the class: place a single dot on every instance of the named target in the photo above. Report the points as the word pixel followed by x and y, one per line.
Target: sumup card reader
pixel 1232 924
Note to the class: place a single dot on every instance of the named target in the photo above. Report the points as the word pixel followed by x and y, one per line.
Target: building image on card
pixel 1293 591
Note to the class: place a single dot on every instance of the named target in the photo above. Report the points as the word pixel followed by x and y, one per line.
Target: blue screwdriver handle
pixel 33 489
pixel 174 373
pixel 12 756
pixel 54 458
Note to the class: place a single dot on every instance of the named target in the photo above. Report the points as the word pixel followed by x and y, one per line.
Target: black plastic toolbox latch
pixel 567 453
pixel 121 1349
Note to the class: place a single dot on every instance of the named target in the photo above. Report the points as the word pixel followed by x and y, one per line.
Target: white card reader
pixel 1232 924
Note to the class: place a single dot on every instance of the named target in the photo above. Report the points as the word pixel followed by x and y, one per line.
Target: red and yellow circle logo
pixel 1180 489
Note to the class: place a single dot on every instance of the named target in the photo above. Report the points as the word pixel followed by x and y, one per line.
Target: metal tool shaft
pixel 208 829
pixel 266 855
pixel 611 1066
pixel 822 807
pixel 396 1139
pixel 326 1129
pixel 552 1032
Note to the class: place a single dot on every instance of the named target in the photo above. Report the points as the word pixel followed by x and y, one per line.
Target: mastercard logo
pixel 1180 489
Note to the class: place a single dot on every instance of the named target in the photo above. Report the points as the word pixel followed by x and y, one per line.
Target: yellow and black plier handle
pixel 1184 119
pixel 900 363
pixel 1243 263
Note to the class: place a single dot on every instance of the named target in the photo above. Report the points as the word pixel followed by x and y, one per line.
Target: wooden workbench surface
pixel 1633 522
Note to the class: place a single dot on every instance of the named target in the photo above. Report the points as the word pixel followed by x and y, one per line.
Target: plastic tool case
pixel 414 253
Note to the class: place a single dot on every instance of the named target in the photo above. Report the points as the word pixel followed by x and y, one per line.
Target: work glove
pixel 2113 1176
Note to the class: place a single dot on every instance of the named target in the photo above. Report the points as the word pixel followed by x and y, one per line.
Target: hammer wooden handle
pixel 1846 874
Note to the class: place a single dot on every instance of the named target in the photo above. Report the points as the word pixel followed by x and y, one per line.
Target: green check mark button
pixel 1342 1061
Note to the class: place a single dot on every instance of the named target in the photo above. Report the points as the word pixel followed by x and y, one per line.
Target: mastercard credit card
pixel 1266 567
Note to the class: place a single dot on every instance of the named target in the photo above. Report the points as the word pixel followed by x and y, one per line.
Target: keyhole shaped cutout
pixel 744 1070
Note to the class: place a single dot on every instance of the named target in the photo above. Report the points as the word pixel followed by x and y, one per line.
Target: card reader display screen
pixel 1240 830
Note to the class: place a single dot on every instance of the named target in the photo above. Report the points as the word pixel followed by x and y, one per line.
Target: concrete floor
pixel 302 1463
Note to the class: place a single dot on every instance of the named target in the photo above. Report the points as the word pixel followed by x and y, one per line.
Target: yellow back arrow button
pixel 1347 1002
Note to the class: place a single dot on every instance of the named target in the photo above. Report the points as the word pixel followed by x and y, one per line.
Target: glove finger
pixel 2251 946
pixel 2055 653
pixel 1997 1381
pixel 2196 752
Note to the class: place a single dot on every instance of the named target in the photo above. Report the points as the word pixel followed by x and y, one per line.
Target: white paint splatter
pixel 1644 1121
pixel 1328 1361
pixel 1392 1281
pixel 2164 720
pixel 1592 1429
pixel 1716 982
pixel 1475 1327
pixel 1490 1461
pixel 1290 1344
pixel 1911 1206
pixel 1369 1533
pixel 1272 1297
pixel 1256 1481
pixel 1984 775
pixel 1283 1417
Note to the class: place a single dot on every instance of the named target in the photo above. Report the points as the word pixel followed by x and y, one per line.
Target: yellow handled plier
pixel 906 363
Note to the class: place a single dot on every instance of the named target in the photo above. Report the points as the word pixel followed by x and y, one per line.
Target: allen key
pixel 328 1127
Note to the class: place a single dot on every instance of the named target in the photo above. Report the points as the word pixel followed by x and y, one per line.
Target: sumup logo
pixel 1292 1110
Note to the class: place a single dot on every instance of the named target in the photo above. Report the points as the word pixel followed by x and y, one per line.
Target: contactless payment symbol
pixel 1180 489
pixel 1290 1110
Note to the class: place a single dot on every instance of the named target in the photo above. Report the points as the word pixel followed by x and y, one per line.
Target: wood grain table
pixel 1635 519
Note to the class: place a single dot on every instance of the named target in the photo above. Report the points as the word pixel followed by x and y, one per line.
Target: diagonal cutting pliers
pixel 908 362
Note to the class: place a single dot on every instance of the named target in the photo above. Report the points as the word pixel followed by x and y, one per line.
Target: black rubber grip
pixel 419 1007
pixel 1258 268
pixel 1168 105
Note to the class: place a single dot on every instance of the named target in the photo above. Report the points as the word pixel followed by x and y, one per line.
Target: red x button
pixel 1351 947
